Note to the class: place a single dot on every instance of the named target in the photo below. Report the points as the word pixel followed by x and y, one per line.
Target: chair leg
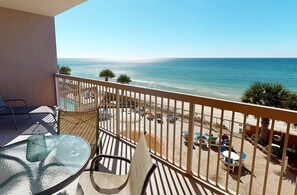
pixel 99 146
pixel 79 190
pixel 14 121
pixel 13 117
pixel 98 151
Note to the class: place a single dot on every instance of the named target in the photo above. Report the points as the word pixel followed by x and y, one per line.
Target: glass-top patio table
pixel 42 167
pixel 233 155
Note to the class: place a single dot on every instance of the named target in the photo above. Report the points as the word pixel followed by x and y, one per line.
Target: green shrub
pixel 277 151
pixel 292 153
pixel 260 140
pixel 253 137
pixel 65 70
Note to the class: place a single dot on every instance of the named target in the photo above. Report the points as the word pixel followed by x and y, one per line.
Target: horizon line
pixel 163 58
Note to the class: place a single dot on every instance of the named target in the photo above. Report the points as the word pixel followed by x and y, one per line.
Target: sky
pixel 144 29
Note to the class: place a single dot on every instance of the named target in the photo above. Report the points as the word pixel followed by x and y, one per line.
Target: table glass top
pixel 22 172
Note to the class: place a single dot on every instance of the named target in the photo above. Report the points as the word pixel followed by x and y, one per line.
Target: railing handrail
pixel 289 116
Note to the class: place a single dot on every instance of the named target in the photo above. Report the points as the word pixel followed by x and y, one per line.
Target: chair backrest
pixel 81 123
pixel 243 156
pixel 141 167
pixel 226 160
pixel 222 148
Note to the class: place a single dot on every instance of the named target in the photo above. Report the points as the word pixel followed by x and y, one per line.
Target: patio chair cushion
pixel 105 183
pixel 243 156
pixel 222 148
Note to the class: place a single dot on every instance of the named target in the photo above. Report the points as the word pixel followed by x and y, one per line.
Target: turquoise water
pixel 67 103
pixel 224 78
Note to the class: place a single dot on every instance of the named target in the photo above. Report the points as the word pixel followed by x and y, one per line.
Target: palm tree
pixel 292 101
pixel 123 78
pixel 106 73
pixel 266 94
pixel 65 70
pixel 292 104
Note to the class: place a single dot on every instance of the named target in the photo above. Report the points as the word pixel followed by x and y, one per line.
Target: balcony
pixel 184 166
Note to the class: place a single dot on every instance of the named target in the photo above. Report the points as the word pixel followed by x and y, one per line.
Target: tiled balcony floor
pixel 26 127
pixel 165 180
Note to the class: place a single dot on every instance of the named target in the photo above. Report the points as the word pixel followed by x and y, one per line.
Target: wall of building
pixel 28 58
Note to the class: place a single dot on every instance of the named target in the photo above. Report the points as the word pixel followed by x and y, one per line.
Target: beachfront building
pixel 28 71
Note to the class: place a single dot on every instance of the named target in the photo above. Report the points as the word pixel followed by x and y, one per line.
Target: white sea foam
pixel 130 60
pixel 222 94
pixel 165 84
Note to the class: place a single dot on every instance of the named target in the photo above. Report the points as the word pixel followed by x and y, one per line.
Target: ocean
pixel 223 78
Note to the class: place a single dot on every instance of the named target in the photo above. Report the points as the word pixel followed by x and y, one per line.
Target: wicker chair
pixel 82 123
pixel 135 182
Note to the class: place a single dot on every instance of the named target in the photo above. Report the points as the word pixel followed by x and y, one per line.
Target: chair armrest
pixel 100 156
pixel 14 100
pixel 7 107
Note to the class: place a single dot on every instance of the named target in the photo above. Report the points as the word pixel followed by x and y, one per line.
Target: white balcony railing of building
pixel 173 122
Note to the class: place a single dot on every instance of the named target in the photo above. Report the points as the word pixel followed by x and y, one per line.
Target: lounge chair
pixel 222 148
pixel 6 110
pixel 226 142
pixel 197 139
pixel 213 140
pixel 185 136
pixel 135 182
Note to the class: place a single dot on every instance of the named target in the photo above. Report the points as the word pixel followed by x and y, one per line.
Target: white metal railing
pixel 128 110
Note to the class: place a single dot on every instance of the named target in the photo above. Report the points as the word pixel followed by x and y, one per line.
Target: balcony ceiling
pixel 41 7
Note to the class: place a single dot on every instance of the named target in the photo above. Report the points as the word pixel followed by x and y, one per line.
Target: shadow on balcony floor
pixel 44 124
pixel 165 180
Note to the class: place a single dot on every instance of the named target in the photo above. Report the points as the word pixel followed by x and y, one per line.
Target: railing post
pixel 190 139
pixel 117 113
pixel 96 97
pixel 65 93
pixel 79 96
pixel 57 91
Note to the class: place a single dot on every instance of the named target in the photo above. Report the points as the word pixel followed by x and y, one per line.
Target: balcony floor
pixel 165 180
